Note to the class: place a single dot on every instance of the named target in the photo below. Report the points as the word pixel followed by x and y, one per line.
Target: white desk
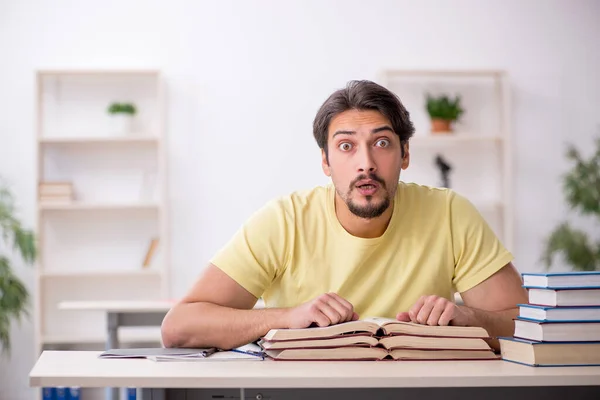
pixel 85 369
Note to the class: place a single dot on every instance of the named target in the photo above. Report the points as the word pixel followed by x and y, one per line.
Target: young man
pixel 367 245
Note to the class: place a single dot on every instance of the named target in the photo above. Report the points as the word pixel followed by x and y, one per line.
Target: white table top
pixel 85 369
pixel 125 306
pixel 118 306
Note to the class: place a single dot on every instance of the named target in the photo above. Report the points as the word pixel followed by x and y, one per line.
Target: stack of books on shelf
pixel 378 339
pixel 560 324
pixel 55 192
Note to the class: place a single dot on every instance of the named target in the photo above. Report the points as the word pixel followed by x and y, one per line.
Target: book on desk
pixel 560 324
pixel 378 339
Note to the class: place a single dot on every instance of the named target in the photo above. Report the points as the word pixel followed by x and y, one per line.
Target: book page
pixel 379 320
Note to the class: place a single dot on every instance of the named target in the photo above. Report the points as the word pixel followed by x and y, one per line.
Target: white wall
pixel 246 78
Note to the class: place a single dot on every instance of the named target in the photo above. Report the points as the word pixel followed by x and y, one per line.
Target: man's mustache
pixel 371 176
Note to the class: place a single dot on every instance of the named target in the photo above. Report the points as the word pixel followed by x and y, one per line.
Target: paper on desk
pixel 249 352
pixel 157 352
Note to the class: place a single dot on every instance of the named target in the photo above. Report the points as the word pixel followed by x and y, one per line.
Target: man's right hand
pixel 327 309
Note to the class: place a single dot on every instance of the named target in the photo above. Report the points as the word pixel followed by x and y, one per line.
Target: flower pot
pixel 441 125
pixel 121 124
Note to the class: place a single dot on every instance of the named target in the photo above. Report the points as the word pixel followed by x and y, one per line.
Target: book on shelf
pixel 152 248
pixel 55 192
pixel 378 339
pixel 560 324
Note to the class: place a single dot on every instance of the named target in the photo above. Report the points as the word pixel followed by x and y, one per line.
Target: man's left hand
pixel 434 310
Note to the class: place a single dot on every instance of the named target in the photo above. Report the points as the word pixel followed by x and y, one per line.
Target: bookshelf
pixel 101 201
pixel 479 148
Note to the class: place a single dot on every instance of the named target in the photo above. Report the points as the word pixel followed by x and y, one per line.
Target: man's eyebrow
pixel 376 130
pixel 382 128
pixel 343 133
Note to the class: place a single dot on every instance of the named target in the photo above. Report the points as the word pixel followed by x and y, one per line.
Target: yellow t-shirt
pixel 294 249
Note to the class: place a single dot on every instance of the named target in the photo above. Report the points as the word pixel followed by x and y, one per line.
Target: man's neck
pixel 361 227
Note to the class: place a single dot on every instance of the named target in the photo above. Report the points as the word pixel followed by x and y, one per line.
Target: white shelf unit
pixel 478 150
pixel 93 247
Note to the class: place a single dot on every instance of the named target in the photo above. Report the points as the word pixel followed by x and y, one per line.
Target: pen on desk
pixel 251 353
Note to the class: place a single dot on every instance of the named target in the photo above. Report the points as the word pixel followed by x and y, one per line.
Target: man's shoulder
pixel 301 203
pixel 425 194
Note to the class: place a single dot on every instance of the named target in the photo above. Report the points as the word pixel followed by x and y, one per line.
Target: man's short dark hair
pixel 363 95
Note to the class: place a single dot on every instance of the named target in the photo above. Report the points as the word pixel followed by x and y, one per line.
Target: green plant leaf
pixel 582 183
pixel 581 187
pixel 14 300
pixel 5 333
pixel 14 297
pixel 574 245
pixel 122 108
pixel 443 107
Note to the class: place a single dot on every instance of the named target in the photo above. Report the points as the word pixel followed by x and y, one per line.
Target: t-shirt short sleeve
pixel 258 251
pixel 478 253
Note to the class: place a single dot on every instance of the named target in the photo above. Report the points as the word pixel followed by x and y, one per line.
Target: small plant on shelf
pixel 443 111
pixel 122 117
pixel 122 108
pixel 14 296
pixel 581 186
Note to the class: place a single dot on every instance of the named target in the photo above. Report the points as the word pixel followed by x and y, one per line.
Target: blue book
pixel 559 314
pixel 131 393
pixel 562 280
pixel 546 354
pixel 48 393
pixel 74 393
pixel 61 393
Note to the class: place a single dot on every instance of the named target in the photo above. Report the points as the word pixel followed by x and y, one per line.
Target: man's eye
pixel 345 146
pixel 383 143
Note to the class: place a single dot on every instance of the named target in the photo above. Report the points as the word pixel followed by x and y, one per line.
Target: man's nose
pixel 366 162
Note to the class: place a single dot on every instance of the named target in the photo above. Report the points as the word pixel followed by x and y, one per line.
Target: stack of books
pixel 55 192
pixel 560 324
pixel 378 339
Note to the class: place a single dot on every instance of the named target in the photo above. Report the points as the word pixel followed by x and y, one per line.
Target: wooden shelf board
pixel 107 72
pixel 79 206
pixel 450 72
pixel 133 139
pixel 451 138
pixel 100 274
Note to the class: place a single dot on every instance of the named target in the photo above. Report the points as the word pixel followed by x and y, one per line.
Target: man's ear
pixel 406 158
pixel 325 163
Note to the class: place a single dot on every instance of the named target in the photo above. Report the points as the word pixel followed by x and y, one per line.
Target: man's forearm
pixel 497 323
pixel 210 325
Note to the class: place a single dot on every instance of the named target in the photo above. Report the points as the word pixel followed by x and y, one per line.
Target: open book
pixel 376 339
pixel 375 326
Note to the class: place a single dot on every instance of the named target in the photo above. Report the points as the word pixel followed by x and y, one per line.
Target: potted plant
pixel 14 297
pixel 443 111
pixel 582 191
pixel 122 117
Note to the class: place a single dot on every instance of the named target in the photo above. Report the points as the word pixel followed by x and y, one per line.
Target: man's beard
pixel 371 210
